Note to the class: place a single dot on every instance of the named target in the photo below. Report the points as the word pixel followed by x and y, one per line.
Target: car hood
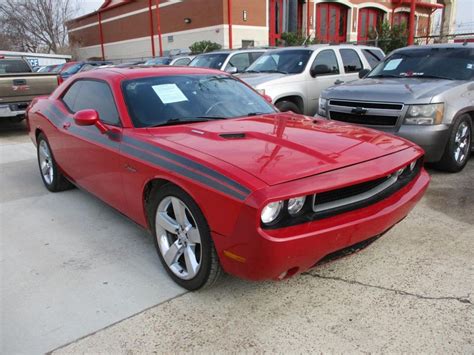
pixel 281 147
pixel 255 79
pixel 404 90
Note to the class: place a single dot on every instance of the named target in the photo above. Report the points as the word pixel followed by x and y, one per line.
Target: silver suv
pixel 422 93
pixel 295 76
pixel 226 60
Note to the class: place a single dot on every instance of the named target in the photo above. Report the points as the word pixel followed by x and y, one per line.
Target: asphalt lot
pixel 72 268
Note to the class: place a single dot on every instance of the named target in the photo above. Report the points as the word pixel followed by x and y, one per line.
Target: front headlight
pixel 271 212
pixel 295 205
pixel 424 114
pixel 322 107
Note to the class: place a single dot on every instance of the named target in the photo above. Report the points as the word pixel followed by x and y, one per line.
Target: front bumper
pixel 269 254
pixel 432 139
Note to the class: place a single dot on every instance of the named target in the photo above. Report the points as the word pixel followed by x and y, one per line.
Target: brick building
pixel 140 28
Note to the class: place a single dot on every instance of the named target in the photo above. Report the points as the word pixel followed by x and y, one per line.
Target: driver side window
pixel 240 61
pixel 92 94
pixel 328 58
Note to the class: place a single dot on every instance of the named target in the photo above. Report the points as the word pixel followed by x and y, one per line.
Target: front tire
pixel 458 148
pixel 183 239
pixel 52 177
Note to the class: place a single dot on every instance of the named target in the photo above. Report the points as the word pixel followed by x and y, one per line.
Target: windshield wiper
pixel 176 121
pixel 274 71
pixel 252 71
pixel 428 76
pixel 385 76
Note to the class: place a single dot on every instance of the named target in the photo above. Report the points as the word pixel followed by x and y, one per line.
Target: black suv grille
pixel 376 105
pixel 374 120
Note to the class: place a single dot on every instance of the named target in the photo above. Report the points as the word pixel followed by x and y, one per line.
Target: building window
pixel 331 22
pixel 370 21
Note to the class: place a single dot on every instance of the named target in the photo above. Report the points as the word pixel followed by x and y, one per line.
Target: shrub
pixel 204 46
pixel 390 37
pixel 295 39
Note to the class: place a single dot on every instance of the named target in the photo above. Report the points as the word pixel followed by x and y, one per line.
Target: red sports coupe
pixel 221 178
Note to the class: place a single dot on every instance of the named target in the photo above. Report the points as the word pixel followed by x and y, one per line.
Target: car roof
pixel 142 71
pixel 325 45
pixel 228 51
pixel 440 45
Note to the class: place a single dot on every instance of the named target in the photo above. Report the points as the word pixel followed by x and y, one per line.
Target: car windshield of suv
pixel 286 62
pixel 431 63
pixel 213 60
pixel 169 100
pixel 10 66
pixel 158 61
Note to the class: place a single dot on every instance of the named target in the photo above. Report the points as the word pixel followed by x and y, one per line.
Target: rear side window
pixel 182 61
pixel 95 95
pixel 351 61
pixel 10 66
pixel 373 56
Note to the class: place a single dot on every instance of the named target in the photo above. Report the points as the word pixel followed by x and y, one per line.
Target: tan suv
pixel 295 76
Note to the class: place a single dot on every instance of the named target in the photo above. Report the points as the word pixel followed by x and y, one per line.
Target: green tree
pixel 296 39
pixel 389 38
pixel 204 46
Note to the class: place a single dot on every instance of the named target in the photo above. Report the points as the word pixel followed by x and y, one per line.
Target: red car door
pixel 90 158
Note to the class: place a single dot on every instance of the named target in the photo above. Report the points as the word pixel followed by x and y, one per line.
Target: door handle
pixel 337 82
pixel 66 125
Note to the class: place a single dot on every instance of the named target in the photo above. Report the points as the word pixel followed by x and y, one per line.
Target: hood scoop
pixel 233 135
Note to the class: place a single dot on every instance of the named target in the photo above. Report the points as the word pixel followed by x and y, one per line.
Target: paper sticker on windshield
pixel 470 66
pixel 393 64
pixel 169 93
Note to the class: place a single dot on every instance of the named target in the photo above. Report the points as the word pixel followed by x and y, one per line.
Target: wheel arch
pixel 295 98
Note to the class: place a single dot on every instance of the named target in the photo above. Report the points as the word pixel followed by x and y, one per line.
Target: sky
pixel 464 13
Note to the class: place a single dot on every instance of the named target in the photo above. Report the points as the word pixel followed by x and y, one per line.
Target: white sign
pixel 169 93
pixel 393 64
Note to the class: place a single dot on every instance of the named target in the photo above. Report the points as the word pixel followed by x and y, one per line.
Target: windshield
pixel 73 69
pixel 158 61
pixel 8 66
pixel 213 61
pixel 287 62
pixel 442 63
pixel 162 100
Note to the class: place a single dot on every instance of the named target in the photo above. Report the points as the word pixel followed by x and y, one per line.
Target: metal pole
pixel 158 26
pixel 152 35
pixel 411 30
pixel 229 15
pixel 308 19
pixel 101 36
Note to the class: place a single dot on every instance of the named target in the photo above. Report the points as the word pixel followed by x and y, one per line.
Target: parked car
pixel 221 179
pixel 422 93
pixel 295 76
pixel 229 61
pixel 74 67
pixel 181 60
pixel 19 85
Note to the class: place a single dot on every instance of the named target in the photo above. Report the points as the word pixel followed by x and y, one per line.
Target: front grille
pixel 373 120
pixel 350 191
pixel 330 203
pixel 378 105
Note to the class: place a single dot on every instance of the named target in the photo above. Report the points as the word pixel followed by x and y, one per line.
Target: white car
pixel 229 61
pixel 294 77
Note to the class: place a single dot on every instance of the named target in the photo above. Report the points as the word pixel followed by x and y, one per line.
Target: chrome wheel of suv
pixel 462 142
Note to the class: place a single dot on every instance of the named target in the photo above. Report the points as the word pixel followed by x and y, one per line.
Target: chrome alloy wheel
pixel 462 143
pixel 46 162
pixel 178 237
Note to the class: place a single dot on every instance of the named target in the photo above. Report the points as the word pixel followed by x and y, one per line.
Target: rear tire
pixel 458 148
pixel 183 239
pixel 52 177
pixel 285 106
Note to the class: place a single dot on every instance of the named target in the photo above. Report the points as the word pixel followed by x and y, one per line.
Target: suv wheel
pixel 285 106
pixel 458 149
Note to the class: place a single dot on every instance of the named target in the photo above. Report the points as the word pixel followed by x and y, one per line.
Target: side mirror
pixel 232 70
pixel 268 99
pixel 320 69
pixel 89 118
pixel 363 73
